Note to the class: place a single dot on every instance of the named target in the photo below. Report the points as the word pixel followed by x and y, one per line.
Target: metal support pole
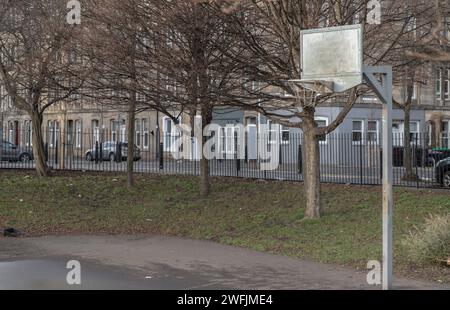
pixel 384 92
pixel 387 183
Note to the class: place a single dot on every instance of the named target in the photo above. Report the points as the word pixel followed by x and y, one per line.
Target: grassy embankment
pixel 265 216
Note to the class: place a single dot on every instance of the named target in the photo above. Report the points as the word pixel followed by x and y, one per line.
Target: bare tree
pixel 435 46
pixel 110 45
pixel 411 71
pixel 36 69
pixel 186 69
pixel 271 34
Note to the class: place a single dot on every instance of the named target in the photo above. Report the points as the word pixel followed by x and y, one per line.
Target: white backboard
pixel 333 54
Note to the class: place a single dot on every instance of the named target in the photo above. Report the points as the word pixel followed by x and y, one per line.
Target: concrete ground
pixel 143 262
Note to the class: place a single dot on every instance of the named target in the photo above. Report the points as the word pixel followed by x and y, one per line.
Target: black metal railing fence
pixel 346 158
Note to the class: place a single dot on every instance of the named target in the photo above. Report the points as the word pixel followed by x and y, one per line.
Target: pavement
pixel 156 262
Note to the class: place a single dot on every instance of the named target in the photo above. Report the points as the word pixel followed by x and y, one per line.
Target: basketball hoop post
pixel 384 91
pixel 336 55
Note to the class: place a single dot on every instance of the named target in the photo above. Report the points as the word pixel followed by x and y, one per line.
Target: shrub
pixel 430 243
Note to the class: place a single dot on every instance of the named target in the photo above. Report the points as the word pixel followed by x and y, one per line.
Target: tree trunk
pixel 205 182
pixel 131 137
pixel 311 172
pixel 38 146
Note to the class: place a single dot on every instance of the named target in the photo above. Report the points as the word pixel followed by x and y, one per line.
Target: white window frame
pixel 28 133
pixel 137 132
pixel 446 134
pixel 320 119
pixel 114 127
pixel 412 133
pixel 361 131
pixel 10 131
pixel 95 131
pixel 399 136
pixel 145 137
pixel 123 132
pixel 174 132
pixel 284 129
pixel 78 133
pixel 227 140
pixel 447 28
pixel 439 85
pixel 51 133
pixel 447 85
pixel 377 132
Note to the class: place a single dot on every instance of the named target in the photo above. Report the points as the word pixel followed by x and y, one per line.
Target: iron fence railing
pixel 353 158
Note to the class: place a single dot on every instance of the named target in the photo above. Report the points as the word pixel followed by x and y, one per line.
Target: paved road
pixel 142 262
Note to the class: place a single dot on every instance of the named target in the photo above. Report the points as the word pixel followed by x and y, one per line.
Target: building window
pixel 285 135
pixel 438 84
pixel 11 136
pixel 322 122
pixel 447 28
pixel 95 131
pixel 228 139
pixel 123 131
pixel 28 134
pixel 170 133
pixel 357 131
pixel 78 133
pixel 114 129
pixel 446 134
pixel 414 132
pixel 398 130
pixel 447 85
pixel 251 121
pixel 51 139
pixel 145 128
pixel 137 131
pixel 53 133
pixel 373 132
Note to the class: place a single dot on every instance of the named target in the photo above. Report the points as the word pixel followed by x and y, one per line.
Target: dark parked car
pixel 11 152
pixel 443 172
pixel 109 151
pixel 436 155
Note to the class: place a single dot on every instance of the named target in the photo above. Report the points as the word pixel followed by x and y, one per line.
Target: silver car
pixel 109 152
pixel 11 152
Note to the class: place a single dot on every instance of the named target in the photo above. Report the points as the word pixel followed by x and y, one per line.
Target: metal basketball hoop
pixel 336 54
pixel 307 91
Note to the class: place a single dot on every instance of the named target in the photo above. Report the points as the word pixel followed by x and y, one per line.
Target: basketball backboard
pixel 333 54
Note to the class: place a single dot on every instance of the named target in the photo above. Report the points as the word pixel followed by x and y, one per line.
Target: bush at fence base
pixel 430 243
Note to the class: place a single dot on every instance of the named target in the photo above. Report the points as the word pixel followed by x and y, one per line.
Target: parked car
pixel 11 152
pixel 109 151
pixel 436 155
pixel 443 172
